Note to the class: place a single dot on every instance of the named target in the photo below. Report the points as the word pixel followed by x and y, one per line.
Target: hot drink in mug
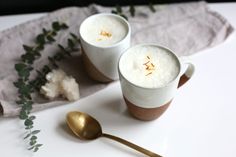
pixel 104 37
pixel 149 76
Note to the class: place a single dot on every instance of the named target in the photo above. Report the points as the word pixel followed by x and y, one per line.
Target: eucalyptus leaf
pixel 20 102
pixel 71 44
pixel 132 10
pixel 61 47
pixel 33 138
pixel 38 145
pixel 64 50
pixel 29 127
pixel 50 38
pixel 20 66
pixel 32 142
pixel 74 36
pixel 59 56
pixel 118 9
pixel 27 48
pixel 37 53
pixel 19 83
pixel 32 117
pixel 114 12
pixel 28 58
pixel 39 47
pixel 27 107
pixel 31 148
pixel 35 132
pixel 40 39
pixel 27 136
pixel 44 31
pixel 46 69
pixel 122 15
pixel 152 8
pixel 25 89
pixel 25 96
pixel 28 122
pixel 24 74
pixel 54 33
pixel 64 26
pixel 56 25
pixel 23 115
pixel 36 149
pixel 29 102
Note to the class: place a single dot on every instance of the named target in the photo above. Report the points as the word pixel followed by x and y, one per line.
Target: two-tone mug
pixel 104 37
pixel 149 76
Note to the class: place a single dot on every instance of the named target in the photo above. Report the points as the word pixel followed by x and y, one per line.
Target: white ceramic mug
pixel 150 103
pixel 101 61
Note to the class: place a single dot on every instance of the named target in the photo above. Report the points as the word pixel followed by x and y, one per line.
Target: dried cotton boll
pixel 56 76
pixel 70 88
pixel 50 90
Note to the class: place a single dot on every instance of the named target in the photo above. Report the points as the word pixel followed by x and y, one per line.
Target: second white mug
pixel 104 37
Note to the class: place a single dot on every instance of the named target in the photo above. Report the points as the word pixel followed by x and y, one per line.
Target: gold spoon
pixel 87 128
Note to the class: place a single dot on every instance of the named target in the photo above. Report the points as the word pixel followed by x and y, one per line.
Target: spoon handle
pixel 131 145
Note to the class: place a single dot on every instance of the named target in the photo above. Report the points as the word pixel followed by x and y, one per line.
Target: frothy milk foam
pixel 104 30
pixel 149 66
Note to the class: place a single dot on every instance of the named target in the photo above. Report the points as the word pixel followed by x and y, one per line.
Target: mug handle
pixel 188 73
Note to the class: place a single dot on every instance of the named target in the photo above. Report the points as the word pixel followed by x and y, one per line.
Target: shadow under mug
pixel 150 103
pixel 101 61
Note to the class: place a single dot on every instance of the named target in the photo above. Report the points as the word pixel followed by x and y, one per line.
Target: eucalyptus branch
pixel 118 10
pixel 25 88
pixel 72 46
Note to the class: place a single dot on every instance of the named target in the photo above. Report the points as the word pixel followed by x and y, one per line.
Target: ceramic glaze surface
pixel 104 54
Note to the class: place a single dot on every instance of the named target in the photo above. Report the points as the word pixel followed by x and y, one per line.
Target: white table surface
pixel 201 121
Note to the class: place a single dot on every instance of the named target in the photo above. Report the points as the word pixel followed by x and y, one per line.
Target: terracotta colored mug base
pixel 93 72
pixel 146 114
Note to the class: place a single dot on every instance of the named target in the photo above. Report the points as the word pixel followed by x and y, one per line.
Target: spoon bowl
pixel 88 128
pixel 83 125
